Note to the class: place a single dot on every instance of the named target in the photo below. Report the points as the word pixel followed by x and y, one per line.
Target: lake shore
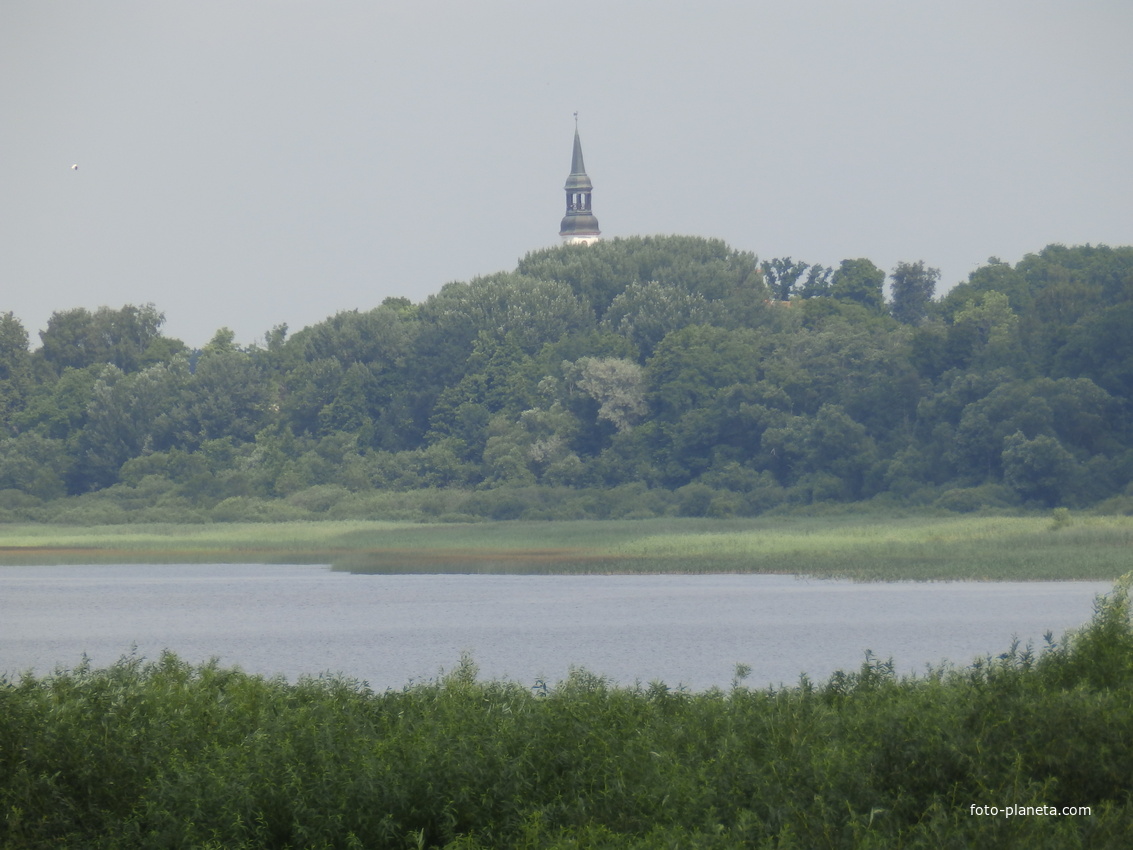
pixel 926 548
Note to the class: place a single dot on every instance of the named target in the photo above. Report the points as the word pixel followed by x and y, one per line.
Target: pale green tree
pixel 616 384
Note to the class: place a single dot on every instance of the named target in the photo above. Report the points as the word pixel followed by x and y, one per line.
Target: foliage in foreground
pixel 168 755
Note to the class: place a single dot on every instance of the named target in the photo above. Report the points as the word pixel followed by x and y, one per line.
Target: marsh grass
pixel 864 548
pixel 163 754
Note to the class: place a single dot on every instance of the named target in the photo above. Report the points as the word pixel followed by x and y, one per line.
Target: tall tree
pixel 913 288
pixel 15 367
pixel 989 331
pixel 645 312
pixel 616 385
pixel 128 415
pixel 226 396
pixel 859 281
pixel 817 282
pixel 128 338
pixel 782 276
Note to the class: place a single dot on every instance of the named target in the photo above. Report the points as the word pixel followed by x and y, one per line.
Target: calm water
pixel 391 629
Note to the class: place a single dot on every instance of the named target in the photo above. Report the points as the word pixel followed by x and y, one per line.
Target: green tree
pixel 350 410
pixel 128 338
pixel 863 366
pixel 599 273
pixel 782 276
pixel 380 338
pixel 985 334
pixel 861 282
pixel 58 409
pixel 912 290
pixel 645 312
pixel 128 415
pixel 222 342
pixel 1039 469
pixel 500 376
pixel 818 282
pixel 692 365
pixel 830 444
pixel 36 465
pixel 380 390
pixel 227 396
pixel 535 311
pixel 994 276
pixel 306 390
pixel 702 383
pixel 1076 413
pixel 1100 347
pixel 15 368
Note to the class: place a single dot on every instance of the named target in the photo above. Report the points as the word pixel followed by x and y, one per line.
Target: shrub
pixel 251 509
pixel 694 499
pixel 318 499
pixel 971 499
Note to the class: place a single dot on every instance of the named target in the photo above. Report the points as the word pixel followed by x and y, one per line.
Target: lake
pixel 389 630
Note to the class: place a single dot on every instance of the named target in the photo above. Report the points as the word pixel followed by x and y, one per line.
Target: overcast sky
pixel 249 164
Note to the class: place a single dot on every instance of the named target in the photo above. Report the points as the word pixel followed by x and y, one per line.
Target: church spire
pixel 579 226
pixel 577 166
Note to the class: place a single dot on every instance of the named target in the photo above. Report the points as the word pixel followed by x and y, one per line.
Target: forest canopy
pixel 634 377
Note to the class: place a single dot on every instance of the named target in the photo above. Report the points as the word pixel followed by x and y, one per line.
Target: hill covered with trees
pixel 635 377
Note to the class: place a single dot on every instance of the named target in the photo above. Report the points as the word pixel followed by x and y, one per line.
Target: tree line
pixel 692 377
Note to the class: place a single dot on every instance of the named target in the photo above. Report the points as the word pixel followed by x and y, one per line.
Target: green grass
pixel 865 548
pixel 164 754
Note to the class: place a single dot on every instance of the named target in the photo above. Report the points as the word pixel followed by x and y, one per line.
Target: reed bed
pixel 864 548
pixel 162 754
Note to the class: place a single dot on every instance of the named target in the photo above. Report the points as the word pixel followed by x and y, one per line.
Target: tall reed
pixel 866 548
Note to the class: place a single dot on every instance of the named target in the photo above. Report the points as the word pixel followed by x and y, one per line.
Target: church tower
pixel 579 226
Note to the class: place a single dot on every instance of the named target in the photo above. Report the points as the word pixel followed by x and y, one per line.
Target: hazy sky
pixel 248 164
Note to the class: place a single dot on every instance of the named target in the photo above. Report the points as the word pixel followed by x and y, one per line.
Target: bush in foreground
pixel 164 754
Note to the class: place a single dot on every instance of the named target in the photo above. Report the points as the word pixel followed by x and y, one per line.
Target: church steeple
pixel 579 225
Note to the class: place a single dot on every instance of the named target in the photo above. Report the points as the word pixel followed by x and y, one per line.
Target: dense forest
pixel 636 377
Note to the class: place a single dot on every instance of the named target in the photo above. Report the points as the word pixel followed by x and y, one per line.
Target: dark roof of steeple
pixel 577 179
pixel 579 224
pixel 577 166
